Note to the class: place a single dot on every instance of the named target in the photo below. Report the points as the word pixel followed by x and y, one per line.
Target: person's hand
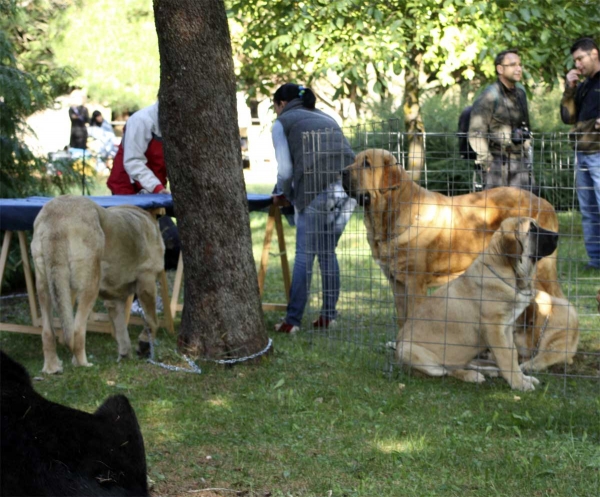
pixel 164 190
pixel 597 125
pixel 280 201
pixel 573 78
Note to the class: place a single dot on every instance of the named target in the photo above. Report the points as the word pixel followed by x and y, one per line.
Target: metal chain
pixel 193 366
pixel 242 359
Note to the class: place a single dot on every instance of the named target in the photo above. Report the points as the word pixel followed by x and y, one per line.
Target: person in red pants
pixel 139 167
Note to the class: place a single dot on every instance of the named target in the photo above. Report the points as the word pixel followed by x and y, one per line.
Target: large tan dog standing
pixel 82 251
pixel 423 239
pixel 478 310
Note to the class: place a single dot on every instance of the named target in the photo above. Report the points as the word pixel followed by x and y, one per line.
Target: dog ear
pixel 391 174
pixel 364 160
pixel 510 245
pixel 515 232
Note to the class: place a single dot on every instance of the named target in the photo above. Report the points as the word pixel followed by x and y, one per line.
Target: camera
pixel 519 135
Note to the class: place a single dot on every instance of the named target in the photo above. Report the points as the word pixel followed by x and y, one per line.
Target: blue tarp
pixel 18 214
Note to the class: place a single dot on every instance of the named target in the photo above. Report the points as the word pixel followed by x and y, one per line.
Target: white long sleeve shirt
pixel 285 171
pixel 139 131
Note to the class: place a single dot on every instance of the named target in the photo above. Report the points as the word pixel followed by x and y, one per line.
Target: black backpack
pixel 464 147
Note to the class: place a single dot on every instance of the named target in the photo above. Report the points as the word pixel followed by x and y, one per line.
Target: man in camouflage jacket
pixel 499 127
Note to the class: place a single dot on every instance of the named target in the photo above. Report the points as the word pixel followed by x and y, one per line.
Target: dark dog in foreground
pixel 50 449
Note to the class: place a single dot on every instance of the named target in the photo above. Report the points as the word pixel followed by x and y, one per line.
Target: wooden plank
pixel 274 307
pixel 21 328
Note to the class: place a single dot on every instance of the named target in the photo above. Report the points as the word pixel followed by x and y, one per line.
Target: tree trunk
pixel 222 313
pixel 412 115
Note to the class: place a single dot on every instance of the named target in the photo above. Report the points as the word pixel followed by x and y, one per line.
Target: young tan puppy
pixel 478 310
pixel 551 333
pixel 82 251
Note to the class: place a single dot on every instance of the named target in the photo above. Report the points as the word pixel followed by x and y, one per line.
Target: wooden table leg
pixel 28 278
pixel 264 259
pixel 4 254
pixel 285 267
pixel 177 286
pixel 164 292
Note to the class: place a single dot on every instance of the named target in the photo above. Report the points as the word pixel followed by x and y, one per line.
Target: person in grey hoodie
pixel 311 151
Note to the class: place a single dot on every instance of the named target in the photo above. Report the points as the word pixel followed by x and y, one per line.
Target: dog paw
pixel 528 366
pixel 526 384
pixel 123 357
pixel 83 363
pixel 54 368
pixel 474 377
pixel 531 379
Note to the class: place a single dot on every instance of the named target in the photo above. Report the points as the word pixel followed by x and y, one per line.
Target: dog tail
pixel 59 284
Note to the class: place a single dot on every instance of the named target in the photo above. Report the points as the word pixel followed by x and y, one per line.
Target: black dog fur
pixel 49 449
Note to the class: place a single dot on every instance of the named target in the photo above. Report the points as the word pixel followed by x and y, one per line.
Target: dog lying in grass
pixel 478 310
pixel 82 251
pixel 50 449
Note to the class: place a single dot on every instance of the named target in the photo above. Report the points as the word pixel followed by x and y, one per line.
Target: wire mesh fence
pixel 409 236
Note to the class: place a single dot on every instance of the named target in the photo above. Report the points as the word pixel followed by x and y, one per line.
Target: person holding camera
pixel 499 128
pixel 580 106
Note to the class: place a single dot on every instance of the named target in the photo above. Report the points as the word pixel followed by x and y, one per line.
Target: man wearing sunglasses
pixel 499 128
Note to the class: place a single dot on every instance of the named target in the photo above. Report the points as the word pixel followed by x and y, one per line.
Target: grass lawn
pixel 324 415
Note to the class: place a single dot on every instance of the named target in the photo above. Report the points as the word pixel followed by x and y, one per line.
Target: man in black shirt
pixel 580 106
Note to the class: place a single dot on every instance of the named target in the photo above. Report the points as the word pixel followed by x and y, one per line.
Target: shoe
pixel 284 327
pixel 324 323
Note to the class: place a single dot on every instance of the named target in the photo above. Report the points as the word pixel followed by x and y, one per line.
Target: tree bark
pixel 412 115
pixel 222 313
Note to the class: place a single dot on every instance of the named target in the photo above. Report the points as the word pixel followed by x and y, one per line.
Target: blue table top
pixel 18 214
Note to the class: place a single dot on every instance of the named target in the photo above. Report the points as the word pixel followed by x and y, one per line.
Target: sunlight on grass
pixel 220 403
pixel 391 446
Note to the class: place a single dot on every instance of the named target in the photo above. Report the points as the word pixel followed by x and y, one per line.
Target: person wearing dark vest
pixel 311 182
pixel 139 166
pixel 580 106
pixel 499 129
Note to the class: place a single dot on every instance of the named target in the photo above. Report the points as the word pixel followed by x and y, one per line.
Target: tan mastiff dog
pixel 82 251
pixel 424 239
pixel 478 310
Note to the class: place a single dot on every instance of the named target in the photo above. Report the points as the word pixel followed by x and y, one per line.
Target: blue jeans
pixel 318 229
pixel 588 192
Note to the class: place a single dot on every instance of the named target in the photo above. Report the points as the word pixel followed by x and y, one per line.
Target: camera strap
pixel 521 103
